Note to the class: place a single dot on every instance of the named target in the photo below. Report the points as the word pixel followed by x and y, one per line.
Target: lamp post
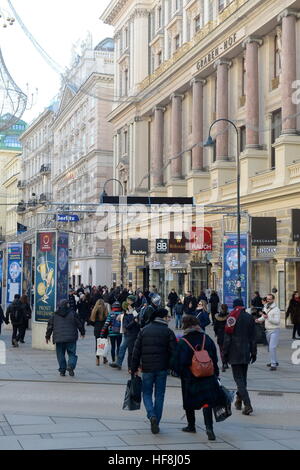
pixel 104 193
pixel 210 142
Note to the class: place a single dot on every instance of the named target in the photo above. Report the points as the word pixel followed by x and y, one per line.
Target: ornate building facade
pixel 179 66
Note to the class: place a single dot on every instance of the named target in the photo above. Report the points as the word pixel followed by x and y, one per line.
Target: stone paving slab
pixel 161 438
pixel 66 435
pixel 183 447
pixel 278 434
pixel 130 449
pixel 75 421
pixel 56 428
pixel 259 445
pixel 26 419
pixel 293 444
pixel 70 443
pixel 9 443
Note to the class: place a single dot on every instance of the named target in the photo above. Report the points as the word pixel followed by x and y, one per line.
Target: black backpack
pixel 16 315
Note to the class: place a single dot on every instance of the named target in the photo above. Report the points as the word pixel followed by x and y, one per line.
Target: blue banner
pixel 1 275
pixel 230 268
pixel 27 271
pixel 14 271
pixel 62 282
pixel 67 218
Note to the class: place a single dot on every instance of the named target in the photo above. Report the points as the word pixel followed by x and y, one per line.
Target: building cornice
pixel 111 12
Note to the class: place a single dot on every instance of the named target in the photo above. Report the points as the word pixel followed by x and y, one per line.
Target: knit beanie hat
pixel 238 303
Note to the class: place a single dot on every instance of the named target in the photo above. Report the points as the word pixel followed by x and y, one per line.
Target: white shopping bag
pixel 103 347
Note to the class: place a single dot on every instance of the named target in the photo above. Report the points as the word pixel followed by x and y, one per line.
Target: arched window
pixel 90 277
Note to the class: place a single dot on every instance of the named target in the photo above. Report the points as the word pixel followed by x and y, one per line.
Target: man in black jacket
pixel 16 315
pixel 154 348
pixel 64 325
pixel 239 349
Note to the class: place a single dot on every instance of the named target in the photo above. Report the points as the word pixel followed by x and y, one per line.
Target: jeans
pixel 207 415
pixel 239 372
pixel 178 321
pixel 61 349
pixel 158 380
pixel 115 341
pixel 273 340
pixel 122 351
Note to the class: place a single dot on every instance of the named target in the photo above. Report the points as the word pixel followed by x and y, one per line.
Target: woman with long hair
pixel 294 311
pixel 26 315
pixel 97 320
pixel 202 315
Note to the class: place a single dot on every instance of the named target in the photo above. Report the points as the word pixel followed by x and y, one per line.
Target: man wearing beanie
pixel 153 350
pixel 239 349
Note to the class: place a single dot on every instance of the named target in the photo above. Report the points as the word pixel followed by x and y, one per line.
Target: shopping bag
pixel 103 347
pixel 133 394
pixel 223 411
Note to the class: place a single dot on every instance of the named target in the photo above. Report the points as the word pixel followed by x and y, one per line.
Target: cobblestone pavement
pixel 43 411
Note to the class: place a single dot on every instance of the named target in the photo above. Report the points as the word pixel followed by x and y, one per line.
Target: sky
pixel 56 25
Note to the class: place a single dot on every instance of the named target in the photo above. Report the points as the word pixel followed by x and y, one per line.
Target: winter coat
pixel 16 304
pixel 294 311
pixel 214 302
pixel 64 325
pixel 154 347
pixel 239 346
pixel 256 302
pixel 27 314
pixel 178 309
pixel 190 299
pixel 72 302
pixel 273 320
pixel 202 297
pixel 219 328
pixel 130 325
pixel 197 391
pixel 84 309
pixel 140 302
pixel 109 329
pixel 147 315
pixel 203 317
pixel 172 298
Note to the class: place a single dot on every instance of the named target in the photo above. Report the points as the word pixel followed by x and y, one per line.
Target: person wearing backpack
pixel 112 329
pixel 16 314
pixel 197 391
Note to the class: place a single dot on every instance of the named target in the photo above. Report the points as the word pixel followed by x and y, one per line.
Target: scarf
pixel 232 319
pixel 192 329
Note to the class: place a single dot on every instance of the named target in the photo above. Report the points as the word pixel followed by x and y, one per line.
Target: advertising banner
pixel 1 275
pixel 62 279
pixel 45 276
pixel 14 271
pixel 27 270
pixel 230 268
pixel 201 239
pixel 296 225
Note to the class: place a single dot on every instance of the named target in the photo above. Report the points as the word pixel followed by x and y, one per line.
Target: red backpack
pixel 202 364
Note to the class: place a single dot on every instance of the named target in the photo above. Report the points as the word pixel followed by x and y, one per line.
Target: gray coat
pixel 64 325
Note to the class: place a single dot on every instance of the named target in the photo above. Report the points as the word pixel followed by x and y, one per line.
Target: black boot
pixel 189 429
pixel 210 434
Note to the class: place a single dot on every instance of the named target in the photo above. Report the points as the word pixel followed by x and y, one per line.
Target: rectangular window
pixel 159 58
pixel 221 5
pixel 197 24
pixel 177 41
pixel 125 143
pixel 276 132
pixel 126 82
pixel 242 138
pixel 159 17
pixel 244 81
pixel 277 59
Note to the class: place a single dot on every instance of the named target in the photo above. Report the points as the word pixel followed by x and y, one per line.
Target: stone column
pixel 158 147
pixel 288 74
pixel 176 163
pixel 252 92
pixel 197 123
pixel 222 67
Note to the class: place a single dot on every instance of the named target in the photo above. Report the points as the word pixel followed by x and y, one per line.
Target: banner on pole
pixel 14 271
pixel 62 282
pixel 45 275
pixel 230 268
pixel 27 270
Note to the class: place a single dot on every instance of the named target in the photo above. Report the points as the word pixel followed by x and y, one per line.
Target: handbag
pixel 133 394
pixel 103 347
pixel 223 411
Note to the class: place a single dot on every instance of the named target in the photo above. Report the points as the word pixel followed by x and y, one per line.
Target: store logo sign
pixel 162 246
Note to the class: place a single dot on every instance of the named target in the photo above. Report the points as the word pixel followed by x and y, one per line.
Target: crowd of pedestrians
pixel 137 323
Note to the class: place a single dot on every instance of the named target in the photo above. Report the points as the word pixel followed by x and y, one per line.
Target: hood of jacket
pixel 63 312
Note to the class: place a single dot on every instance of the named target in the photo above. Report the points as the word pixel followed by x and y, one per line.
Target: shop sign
pixel 178 243
pixel 161 246
pixel 138 246
pixel 201 239
pixel 264 231
pixel 296 225
pixel 266 251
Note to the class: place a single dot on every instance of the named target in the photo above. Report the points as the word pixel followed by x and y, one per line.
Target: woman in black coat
pixel 214 303
pixel 219 329
pixel 294 311
pixel 26 316
pixel 197 393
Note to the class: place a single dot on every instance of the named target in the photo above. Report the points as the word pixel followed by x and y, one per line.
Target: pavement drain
pixel 271 394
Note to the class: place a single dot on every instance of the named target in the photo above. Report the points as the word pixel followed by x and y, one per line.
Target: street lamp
pixel 210 142
pixel 102 196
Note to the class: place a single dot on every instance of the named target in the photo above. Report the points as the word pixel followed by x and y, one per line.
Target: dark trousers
pixel 296 329
pixel 16 335
pixel 207 415
pixel 115 341
pixel 239 372
pixel 22 331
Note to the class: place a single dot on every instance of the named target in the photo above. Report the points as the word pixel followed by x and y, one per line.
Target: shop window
pixel 276 132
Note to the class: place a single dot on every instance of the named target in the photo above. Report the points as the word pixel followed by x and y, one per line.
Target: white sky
pixel 56 25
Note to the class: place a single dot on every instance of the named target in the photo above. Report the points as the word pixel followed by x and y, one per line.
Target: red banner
pixel 46 241
pixel 201 239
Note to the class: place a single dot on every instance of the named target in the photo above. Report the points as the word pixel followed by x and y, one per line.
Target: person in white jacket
pixel 271 317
